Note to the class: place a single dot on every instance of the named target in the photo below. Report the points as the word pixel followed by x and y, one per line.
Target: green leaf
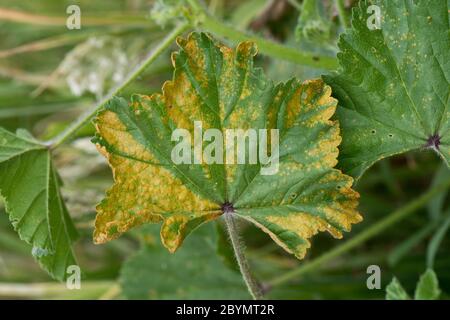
pixel 195 272
pixel 395 291
pixel 428 287
pixel 393 87
pixel 220 87
pixel 29 185
pixel 314 22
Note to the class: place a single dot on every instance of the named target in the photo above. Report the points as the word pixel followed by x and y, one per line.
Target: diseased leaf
pixel 393 88
pixel 196 272
pixel 29 185
pixel 395 291
pixel 220 87
pixel 428 287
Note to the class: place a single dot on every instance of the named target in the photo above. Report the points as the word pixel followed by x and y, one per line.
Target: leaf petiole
pixel 252 284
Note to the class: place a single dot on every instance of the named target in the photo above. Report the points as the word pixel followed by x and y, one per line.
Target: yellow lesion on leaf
pixel 294 107
pixel 318 97
pixel 311 97
pixel 182 102
pixel 228 72
pixel 326 150
pixel 338 216
pixel 113 131
pixel 248 50
pixel 143 192
pixel 176 227
pixel 146 190
pixel 303 225
pixel 340 212
pixel 196 57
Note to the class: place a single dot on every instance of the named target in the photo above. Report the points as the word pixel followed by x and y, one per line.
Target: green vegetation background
pixel 34 94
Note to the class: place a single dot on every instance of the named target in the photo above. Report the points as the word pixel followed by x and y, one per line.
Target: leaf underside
pixel 393 88
pixel 220 87
pixel 30 187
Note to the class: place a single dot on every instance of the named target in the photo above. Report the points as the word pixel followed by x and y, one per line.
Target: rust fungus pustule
pixel 227 207
pixel 434 142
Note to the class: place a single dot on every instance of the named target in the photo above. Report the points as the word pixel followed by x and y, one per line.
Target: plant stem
pixel 268 47
pixel 252 284
pixel 295 4
pixel 89 290
pixel 369 233
pixel 343 17
pixel 86 117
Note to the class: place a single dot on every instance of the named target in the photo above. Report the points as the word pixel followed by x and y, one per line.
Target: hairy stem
pixel 252 284
pixel 86 117
pixel 362 237
pixel 211 24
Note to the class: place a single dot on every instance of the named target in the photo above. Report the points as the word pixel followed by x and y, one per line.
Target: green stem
pixel 268 47
pixel 89 290
pixel 369 233
pixel 86 117
pixel 295 4
pixel 252 284
pixel 343 17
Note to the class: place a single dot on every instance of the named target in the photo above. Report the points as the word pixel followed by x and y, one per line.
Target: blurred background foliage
pixel 49 75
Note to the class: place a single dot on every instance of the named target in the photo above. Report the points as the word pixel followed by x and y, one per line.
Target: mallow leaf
pixel 196 272
pixel 395 291
pixel 427 287
pixel 393 88
pixel 166 171
pixel 29 185
pixel 314 22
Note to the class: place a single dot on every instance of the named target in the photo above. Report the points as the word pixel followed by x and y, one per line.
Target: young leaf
pixel 194 273
pixel 220 87
pixel 29 185
pixel 394 87
pixel 428 287
pixel 313 22
pixel 395 291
